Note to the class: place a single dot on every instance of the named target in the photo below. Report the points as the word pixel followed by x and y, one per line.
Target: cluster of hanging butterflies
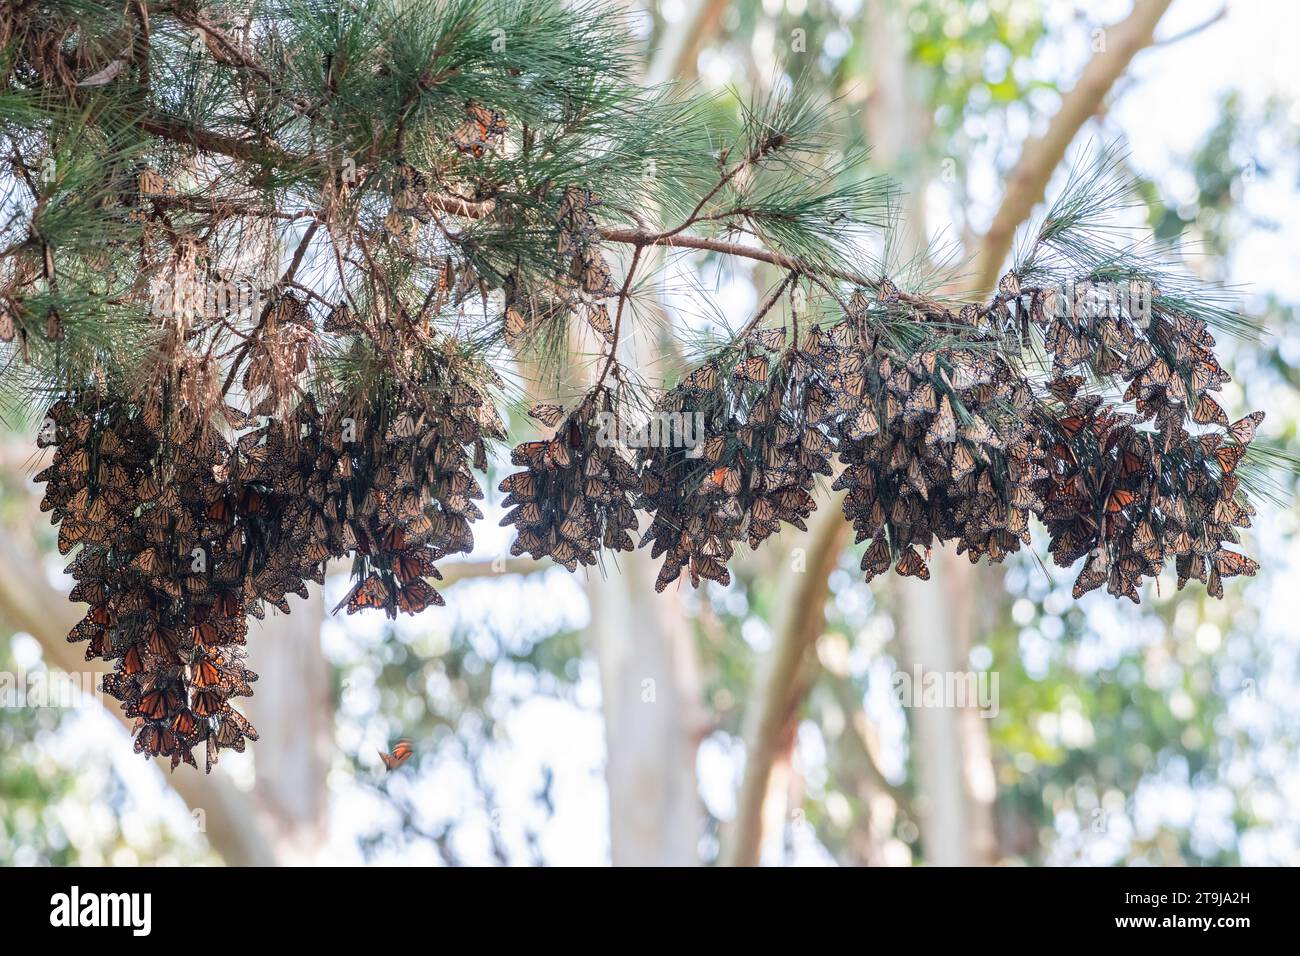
pixel 763 444
pixel 183 529
pixel 481 130
pixel 160 563
pixel 181 532
pixel 934 442
pixel 408 499
pixel 948 442
pixel 575 494
pixel 1131 490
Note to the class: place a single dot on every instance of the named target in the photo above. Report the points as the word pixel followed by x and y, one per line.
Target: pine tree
pixel 263 273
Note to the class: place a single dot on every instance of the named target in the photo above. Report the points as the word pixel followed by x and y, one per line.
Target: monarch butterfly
pixel 1207 411
pixel 150 741
pixel 184 724
pixel 148 561
pixel 1065 387
pixel 1073 424
pixel 206 635
pixel 944 426
pixel 207 703
pixel 548 414
pixel 70 532
pixel 1229 457
pixel 227 604
pixel 863 425
pixel 1229 564
pixel 1243 430
pixel 205 672
pixel 480 127
pixel 1118 500
pixel 408 566
pixel 704 378
pixel 402 752
pixel 394 539
pixel 598 319
pixel 160 703
pixel 595 273
pixel 886 291
pixel 911 564
pixel 557 454
pixel 220 510
pixel 752 369
pixel 406 425
pixel 522 485
pixel 416 595
pixel 339 319
pixel 772 339
pixel 963 462
pixel 132 663
pixel 372 592
pixel 162 643
pixel 251 502
pixel 101 645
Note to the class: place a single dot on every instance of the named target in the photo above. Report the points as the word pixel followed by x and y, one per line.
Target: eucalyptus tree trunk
pixel 294 715
pixel 950 747
pixel 650 699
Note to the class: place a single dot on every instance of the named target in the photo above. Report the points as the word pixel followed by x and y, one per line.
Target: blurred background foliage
pixel 1157 734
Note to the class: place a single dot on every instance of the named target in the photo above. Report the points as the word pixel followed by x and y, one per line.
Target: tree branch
pixel 1041 155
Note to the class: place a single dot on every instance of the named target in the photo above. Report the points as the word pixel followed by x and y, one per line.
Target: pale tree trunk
pixel 950 747
pixel 644 644
pixel 651 702
pixel 293 714
pixel 771 712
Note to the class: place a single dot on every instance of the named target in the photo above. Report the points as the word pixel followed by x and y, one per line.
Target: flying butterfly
pixel 401 753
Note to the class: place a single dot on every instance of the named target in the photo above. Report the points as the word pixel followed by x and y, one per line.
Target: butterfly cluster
pixel 1129 490
pixel 934 442
pixel 404 494
pixel 480 131
pixel 575 494
pixel 183 530
pixel 155 527
pixel 763 445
